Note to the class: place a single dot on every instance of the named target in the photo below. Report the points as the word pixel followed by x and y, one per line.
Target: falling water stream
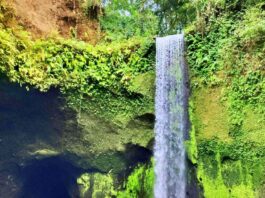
pixel 170 118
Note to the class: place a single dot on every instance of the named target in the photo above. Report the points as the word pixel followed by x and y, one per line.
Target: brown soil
pixel 46 17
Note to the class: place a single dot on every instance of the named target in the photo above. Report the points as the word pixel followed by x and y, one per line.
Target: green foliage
pixel 203 51
pixel 174 14
pixel 124 19
pixel 230 52
pixel 251 30
pixel 237 150
pixel 185 14
pixel 101 74
pixel 242 57
pixel 7 50
pixel 74 65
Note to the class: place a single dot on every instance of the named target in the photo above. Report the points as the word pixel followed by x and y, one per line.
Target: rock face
pixel 39 130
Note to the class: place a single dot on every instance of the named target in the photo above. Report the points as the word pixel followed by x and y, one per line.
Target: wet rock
pixel 44 153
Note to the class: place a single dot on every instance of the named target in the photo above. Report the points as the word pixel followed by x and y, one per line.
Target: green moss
pixel 253 127
pixel 210 114
pixel 140 183
pixel 231 180
pixel 231 173
pixel 103 144
pixel 144 84
pixel 96 185
pixel 84 184
pixel 191 144
pixel 109 106
pixel 229 169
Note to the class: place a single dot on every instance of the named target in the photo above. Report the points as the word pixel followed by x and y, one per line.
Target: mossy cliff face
pixel 112 141
pixel 225 54
pixel 114 131
pixel 227 166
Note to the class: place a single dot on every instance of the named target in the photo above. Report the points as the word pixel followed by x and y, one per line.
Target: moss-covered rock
pixel 228 165
pixel 96 185
pixel 228 181
pixel 140 183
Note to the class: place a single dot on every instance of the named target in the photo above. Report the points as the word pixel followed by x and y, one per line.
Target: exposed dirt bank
pixel 46 17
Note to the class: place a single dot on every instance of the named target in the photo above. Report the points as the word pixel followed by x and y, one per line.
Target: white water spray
pixel 170 118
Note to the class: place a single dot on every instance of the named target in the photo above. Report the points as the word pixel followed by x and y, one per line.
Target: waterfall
pixel 170 125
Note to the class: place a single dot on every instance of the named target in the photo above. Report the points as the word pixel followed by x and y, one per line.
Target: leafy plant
pixel 124 19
